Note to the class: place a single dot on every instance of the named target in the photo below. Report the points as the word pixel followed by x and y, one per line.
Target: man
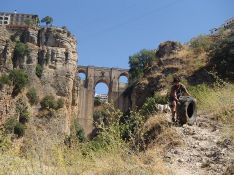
pixel 177 90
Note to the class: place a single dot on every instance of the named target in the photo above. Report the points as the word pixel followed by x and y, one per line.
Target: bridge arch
pixel 126 74
pixel 94 76
pixel 102 80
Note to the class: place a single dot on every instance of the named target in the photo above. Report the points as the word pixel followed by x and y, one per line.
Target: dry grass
pixel 160 133
pixel 45 156
pixel 214 100
pixel 218 102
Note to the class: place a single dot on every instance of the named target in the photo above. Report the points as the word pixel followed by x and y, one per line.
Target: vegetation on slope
pixel 122 142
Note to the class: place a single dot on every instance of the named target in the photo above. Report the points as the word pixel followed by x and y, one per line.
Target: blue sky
pixel 109 31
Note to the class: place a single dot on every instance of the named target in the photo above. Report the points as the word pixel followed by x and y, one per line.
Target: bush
pixel 80 134
pixel 222 56
pixel 161 99
pixel 19 79
pixel 32 96
pixel 22 110
pixel 149 106
pixel 97 101
pixel 48 102
pixel 24 117
pixel 100 117
pixel 10 125
pixel 13 126
pixel 77 131
pixel 4 79
pixel 60 103
pixel 200 43
pixel 39 70
pixel 19 129
pixel 21 49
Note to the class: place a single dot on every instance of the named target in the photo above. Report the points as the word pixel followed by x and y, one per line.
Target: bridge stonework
pixel 86 92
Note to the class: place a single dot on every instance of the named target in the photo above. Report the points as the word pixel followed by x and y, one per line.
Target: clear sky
pixel 109 31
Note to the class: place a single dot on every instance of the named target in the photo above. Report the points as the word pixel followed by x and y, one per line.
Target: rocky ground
pixel 206 151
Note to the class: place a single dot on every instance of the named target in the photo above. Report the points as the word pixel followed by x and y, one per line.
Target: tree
pixel 140 62
pixel 48 20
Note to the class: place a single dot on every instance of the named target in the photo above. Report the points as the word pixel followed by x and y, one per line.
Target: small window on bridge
pixel 82 76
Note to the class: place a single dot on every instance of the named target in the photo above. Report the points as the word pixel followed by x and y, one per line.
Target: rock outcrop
pixel 52 49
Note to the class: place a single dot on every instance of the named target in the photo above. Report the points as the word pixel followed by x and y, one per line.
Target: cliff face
pixel 54 51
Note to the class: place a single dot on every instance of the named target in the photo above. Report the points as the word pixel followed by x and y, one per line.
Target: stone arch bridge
pixel 86 91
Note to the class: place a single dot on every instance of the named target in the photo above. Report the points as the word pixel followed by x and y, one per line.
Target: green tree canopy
pixel 140 62
pixel 48 20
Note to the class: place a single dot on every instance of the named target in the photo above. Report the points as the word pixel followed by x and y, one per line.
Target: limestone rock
pixel 54 49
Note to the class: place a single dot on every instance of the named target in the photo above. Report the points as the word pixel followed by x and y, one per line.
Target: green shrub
pixel 48 102
pixel 19 129
pixel 161 99
pixel 60 103
pixel 39 70
pixel 21 49
pixel 4 79
pixel 10 125
pixel 131 125
pixel 19 79
pixel 222 56
pixel 97 101
pixel 32 96
pixel 201 43
pixel 80 134
pixel 24 117
pixel 149 108
pixel 13 126
pixel 100 117
pixel 78 131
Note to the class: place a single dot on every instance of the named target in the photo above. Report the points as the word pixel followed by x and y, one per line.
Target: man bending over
pixel 177 90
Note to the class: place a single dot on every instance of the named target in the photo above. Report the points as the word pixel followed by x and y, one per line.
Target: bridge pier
pixel 95 75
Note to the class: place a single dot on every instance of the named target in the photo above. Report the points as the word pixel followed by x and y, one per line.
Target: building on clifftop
pixel 18 19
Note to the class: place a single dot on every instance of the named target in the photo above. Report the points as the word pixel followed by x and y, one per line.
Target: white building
pixel 103 97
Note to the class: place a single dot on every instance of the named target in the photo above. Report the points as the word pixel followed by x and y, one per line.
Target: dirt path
pixel 205 151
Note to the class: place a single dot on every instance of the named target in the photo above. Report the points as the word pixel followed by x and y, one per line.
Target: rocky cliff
pixel 50 64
